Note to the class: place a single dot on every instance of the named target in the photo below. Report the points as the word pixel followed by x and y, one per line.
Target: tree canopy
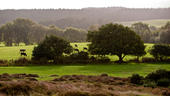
pixel 165 33
pixel 115 39
pixel 29 32
pixel 143 31
pixel 52 48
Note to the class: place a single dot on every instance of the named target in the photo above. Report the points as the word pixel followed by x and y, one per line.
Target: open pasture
pixel 118 70
pixel 9 53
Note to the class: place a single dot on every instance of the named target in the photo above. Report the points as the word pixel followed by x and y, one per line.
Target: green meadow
pixel 120 70
pixel 13 53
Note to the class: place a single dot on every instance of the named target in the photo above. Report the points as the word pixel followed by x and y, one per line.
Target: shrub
pixel 146 59
pixel 103 60
pixel 22 62
pixel 81 55
pixel 159 74
pixel 163 82
pixel 136 79
pixel 160 51
pixel 3 63
pixel 148 83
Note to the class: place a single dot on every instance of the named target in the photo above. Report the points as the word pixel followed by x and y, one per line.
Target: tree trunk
pixel 120 58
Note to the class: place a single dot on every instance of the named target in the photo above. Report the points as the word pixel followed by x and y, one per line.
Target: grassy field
pixel 120 70
pixel 9 53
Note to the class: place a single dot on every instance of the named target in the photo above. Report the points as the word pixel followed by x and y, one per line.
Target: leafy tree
pixel 37 33
pixel 16 31
pixel 53 30
pixel 165 33
pixel 160 51
pixel 142 30
pixel 74 34
pixel 115 39
pixel 52 48
pixel 7 33
pixel 22 28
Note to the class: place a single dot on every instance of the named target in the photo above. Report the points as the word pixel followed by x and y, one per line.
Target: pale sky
pixel 78 4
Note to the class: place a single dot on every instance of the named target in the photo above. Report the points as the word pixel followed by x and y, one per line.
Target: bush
pixel 81 55
pixel 103 60
pixel 148 83
pixel 159 74
pixel 136 79
pixel 160 51
pixel 163 82
pixel 146 59
pixel 4 63
pixel 22 62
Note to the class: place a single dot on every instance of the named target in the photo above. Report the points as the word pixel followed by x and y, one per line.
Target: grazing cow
pixel 84 48
pixel 76 50
pixel 76 45
pixel 22 51
pixel 24 54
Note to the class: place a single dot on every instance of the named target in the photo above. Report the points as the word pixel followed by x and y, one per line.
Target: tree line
pixel 108 39
pixel 83 18
pixel 29 32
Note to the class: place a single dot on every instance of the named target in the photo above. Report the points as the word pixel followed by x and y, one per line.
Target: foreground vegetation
pixel 156 83
pixel 118 70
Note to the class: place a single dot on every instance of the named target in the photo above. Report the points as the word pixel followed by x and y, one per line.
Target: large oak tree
pixel 115 39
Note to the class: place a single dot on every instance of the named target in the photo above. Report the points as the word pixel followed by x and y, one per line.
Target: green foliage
pixel 136 79
pixel 158 78
pixel 16 31
pixel 80 55
pixel 142 30
pixel 29 32
pixel 158 74
pixel 148 83
pixel 74 34
pixel 163 82
pixel 165 33
pixel 115 39
pixel 160 51
pixel 51 48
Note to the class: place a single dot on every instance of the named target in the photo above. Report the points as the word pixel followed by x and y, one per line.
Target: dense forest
pixel 83 18
pixel 30 32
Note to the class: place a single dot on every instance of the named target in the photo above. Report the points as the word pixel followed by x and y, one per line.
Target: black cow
pixel 84 48
pixel 76 50
pixel 76 45
pixel 24 54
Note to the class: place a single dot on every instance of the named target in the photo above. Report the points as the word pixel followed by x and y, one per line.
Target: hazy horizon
pixel 79 4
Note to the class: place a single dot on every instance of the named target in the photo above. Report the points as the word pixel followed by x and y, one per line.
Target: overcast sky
pixel 78 4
